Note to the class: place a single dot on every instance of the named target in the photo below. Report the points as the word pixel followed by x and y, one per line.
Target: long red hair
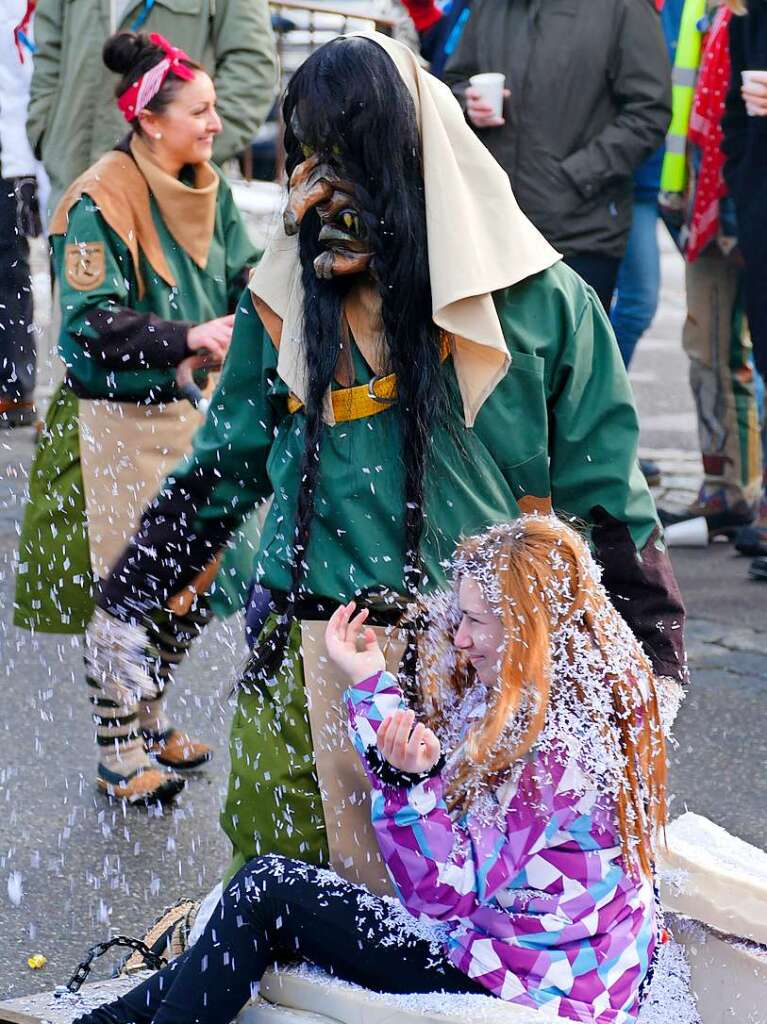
pixel 530 560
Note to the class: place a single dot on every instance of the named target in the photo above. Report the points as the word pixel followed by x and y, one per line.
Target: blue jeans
pixel 638 280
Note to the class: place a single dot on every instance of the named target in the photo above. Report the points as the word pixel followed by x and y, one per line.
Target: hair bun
pixel 124 50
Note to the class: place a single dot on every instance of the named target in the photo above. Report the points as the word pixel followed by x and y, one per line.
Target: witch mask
pixel 317 183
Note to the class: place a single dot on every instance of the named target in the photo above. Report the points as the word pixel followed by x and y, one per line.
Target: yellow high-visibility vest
pixel 683 77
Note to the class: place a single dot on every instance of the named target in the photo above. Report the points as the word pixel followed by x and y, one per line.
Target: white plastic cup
pixel 749 77
pixel 690 533
pixel 490 86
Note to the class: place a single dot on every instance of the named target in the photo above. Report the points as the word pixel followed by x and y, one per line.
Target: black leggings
pixel 276 909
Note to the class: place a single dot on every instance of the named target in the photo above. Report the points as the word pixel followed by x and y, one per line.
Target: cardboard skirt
pixel 96 466
pixel 126 451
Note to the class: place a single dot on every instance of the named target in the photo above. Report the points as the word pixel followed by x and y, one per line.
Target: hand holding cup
pixel 754 92
pixel 484 100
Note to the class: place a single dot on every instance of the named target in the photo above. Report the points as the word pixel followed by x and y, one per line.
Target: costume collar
pixel 120 192
pixel 189 212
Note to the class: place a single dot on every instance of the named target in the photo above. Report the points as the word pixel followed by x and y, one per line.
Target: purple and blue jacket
pixel 535 901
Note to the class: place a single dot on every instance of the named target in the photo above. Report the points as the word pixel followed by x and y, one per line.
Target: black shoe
pixel 650 471
pixel 722 522
pixel 752 540
pixel 758 570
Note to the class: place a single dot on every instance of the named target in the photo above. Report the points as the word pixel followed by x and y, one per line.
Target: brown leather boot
pixel 175 749
pixel 143 786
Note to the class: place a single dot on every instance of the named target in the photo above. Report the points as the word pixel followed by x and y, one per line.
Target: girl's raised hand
pixel 410 751
pixel 342 638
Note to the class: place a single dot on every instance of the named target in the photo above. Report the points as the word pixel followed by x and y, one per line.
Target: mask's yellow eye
pixel 336 150
pixel 307 150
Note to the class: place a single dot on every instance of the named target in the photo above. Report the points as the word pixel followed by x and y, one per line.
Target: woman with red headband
pixel 152 255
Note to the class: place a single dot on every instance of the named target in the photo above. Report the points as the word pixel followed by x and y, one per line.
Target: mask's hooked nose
pixel 308 187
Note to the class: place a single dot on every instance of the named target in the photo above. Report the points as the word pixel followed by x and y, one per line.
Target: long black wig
pixel 354 109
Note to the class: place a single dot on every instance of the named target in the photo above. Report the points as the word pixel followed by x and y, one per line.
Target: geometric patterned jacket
pixel 534 900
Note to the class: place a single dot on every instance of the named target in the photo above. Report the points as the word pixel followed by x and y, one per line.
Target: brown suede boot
pixel 175 749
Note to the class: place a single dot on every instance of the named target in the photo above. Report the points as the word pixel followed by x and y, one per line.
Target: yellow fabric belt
pixel 366 399
pixel 358 402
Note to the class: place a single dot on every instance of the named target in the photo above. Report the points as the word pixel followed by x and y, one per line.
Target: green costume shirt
pixel 99 336
pixel 560 426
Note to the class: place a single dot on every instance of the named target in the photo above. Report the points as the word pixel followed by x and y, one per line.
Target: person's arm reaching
pixel 640 78
pixel 213 490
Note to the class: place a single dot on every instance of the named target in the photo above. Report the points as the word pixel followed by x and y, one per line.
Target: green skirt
pixel 55 585
pixel 273 802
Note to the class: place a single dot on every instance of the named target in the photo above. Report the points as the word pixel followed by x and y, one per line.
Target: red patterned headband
pixel 143 91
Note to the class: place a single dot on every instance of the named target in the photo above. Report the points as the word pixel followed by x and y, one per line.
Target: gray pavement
pixel 73 869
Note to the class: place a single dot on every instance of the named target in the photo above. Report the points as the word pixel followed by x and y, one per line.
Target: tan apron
pixel 344 786
pixel 126 451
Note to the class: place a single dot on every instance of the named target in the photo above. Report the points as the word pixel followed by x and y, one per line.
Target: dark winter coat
pixel 745 147
pixel 590 86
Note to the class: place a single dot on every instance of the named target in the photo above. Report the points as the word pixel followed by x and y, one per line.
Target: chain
pixel 83 969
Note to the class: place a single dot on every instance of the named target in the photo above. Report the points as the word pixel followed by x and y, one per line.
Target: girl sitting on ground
pixel 516 794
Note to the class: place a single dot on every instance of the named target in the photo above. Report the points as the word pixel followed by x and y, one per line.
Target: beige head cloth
pixel 478 241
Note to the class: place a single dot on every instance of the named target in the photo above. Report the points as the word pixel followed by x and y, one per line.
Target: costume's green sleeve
pixel 595 475
pixel 246 72
pixel 594 429
pixel 213 490
pixel 232 446
pixel 98 292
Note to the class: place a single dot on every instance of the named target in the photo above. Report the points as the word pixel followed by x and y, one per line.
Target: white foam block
pixel 728 976
pixel 714 877
pixel 306 988
pixel 262 1012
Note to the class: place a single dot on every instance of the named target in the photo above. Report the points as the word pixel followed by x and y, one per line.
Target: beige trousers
pixel 715 337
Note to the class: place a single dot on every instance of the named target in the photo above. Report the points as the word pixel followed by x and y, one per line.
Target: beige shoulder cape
pixel 120 184
pixel 119 189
